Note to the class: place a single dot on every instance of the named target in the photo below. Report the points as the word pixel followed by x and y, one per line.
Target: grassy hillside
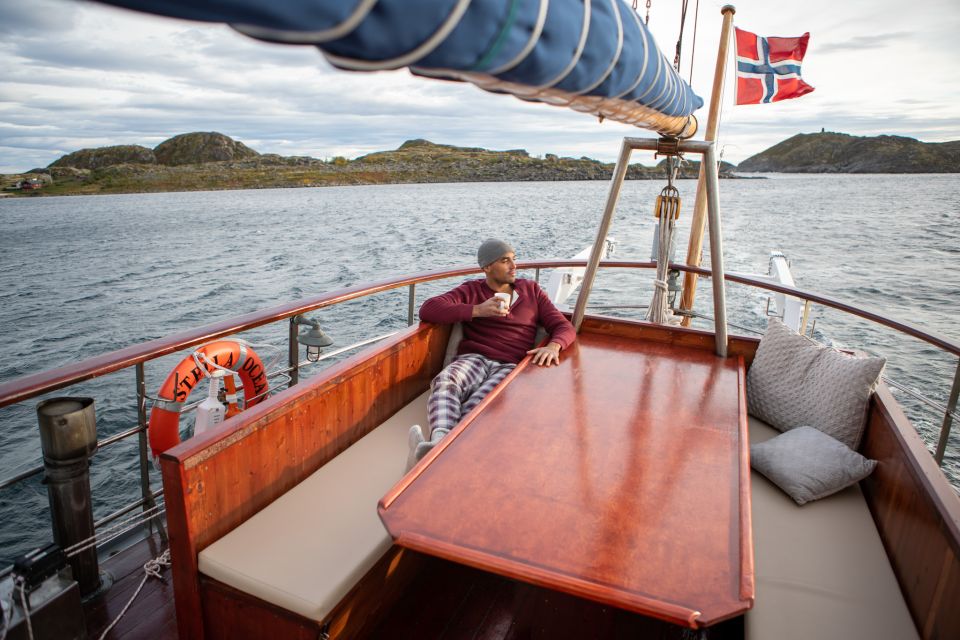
pixel 828 152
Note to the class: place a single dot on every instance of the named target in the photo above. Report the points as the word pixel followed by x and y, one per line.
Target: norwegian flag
pixel 768 69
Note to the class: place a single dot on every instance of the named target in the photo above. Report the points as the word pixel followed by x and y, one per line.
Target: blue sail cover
pixel 594 56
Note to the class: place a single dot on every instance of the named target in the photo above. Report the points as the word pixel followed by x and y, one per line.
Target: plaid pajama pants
pixel 460 387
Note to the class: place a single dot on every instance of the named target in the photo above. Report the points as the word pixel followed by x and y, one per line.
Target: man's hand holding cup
pixel 497 306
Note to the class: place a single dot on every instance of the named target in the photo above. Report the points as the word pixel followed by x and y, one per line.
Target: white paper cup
pixel 504 299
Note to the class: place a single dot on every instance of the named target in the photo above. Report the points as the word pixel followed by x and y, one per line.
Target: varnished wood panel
pixel 677 336
pixel 614 476
pixel 374 595
pixel 230 614
pixel 216 481
pixel 918 517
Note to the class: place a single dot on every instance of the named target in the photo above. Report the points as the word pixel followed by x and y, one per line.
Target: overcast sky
pixel 79 74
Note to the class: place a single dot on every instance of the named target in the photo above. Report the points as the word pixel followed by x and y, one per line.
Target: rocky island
pixel 828 152
pixel 212 161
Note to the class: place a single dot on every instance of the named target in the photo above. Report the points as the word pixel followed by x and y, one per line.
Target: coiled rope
pixel 151 568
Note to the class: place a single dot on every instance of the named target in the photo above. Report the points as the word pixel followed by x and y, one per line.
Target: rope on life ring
pixel 229 356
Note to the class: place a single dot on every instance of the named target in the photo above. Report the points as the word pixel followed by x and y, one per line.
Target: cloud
pixel 84 75
pixel 37 17
pixel 862 43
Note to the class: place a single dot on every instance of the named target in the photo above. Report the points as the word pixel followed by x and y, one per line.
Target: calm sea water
pixel 82 276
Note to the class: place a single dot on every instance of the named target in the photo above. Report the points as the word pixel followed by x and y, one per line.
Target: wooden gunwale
pixel 747 573
pixel 917 515
pixel 30 386
pixel 921 463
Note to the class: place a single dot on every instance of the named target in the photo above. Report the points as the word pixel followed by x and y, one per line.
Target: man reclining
pixel 500 314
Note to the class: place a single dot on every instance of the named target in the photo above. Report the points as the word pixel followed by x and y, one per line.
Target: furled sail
pixel 594 56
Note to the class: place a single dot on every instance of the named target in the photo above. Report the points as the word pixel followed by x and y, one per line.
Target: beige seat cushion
pixel 310 546
pixel 821 570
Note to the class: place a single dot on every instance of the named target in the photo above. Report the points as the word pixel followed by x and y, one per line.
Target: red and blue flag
pixel 768 69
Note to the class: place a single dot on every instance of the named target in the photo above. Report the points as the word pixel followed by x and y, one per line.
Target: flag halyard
pixel 768 69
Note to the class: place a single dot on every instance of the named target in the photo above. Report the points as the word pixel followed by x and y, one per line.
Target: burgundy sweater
pixel 506 338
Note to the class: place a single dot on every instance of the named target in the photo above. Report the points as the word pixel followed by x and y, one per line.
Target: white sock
pixel 414 440
pixel 435 437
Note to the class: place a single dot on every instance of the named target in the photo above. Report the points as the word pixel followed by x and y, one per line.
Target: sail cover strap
pixel 594 56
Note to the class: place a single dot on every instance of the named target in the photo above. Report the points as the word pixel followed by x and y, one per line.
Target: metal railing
pixel 37 384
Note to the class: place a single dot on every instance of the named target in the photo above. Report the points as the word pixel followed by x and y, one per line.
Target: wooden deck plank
pixel 615 476
pixel 481 608
pixel 151 616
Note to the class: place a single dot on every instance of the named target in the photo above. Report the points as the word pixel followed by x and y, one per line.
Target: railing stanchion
pixel 411 303
pixel 613 196
pixel 948 417
pixel 536 276
pixel 805 317
pixel 145 491
pixel 293 353
pixel 717 281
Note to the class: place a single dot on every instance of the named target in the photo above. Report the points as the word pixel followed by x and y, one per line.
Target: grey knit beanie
pixel 491 250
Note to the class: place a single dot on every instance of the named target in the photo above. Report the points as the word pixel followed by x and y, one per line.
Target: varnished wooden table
pixel 621 476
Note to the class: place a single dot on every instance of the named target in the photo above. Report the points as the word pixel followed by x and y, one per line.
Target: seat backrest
pixel 456 335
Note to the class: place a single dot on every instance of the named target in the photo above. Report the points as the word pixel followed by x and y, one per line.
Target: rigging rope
pixel 21 584
pixel 693 49
pixel 683 19
pixel 667 211
pixel 114 531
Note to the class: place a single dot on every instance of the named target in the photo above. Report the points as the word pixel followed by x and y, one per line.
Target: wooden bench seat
pixel 307 549
pixel 805 587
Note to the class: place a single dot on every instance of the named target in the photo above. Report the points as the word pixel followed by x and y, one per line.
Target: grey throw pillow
pixel 807 464
pixel 795 381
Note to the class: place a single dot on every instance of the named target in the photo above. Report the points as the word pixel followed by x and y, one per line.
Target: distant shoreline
pixel 211 161
pixel 48 193
pixel 214 162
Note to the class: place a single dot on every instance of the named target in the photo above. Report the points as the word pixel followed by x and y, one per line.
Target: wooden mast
pixel 695 247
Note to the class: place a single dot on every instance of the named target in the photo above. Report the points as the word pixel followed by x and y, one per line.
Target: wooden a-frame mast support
pixel 709 164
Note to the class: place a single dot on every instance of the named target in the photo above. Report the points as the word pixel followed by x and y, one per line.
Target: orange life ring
pixel 164 425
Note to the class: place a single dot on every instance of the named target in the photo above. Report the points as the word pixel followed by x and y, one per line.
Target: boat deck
pixel 151 616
